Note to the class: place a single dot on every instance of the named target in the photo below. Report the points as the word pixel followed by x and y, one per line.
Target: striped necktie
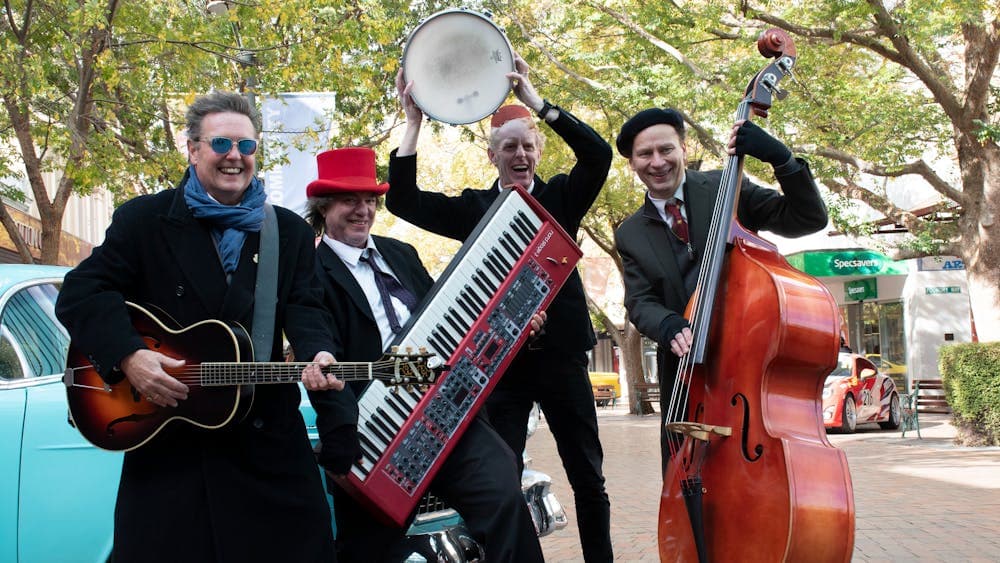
pixel 389 287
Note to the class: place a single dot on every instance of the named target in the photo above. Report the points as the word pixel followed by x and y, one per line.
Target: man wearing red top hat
pixel 480 478
pixel 553 370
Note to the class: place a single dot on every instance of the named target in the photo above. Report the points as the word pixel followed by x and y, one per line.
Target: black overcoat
pixel 249 492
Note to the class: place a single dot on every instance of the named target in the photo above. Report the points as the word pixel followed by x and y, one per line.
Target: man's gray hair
pixel 219 101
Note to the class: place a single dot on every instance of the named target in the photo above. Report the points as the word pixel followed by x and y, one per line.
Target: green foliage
pixel 971 377
pixel 602 59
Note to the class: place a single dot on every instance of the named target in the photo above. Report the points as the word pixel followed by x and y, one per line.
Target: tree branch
pixel 667 48
pixel 918 167
pixel 552 58
pixel 904 55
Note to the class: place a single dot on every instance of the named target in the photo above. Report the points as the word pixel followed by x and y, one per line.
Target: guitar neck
pixel 242 373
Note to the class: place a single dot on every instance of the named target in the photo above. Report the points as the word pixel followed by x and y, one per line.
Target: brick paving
pixel 916 499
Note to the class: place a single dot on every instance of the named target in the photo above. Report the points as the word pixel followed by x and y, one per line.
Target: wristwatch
pixel 546 106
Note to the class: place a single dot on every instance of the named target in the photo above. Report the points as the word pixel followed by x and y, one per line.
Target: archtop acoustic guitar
pixel 220 376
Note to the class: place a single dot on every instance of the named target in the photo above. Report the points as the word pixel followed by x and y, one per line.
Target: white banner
pixel 936 263
pixel 296 128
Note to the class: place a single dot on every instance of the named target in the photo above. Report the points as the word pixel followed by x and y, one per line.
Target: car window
pixel 843 368
pixel 29 329
pixel 10 363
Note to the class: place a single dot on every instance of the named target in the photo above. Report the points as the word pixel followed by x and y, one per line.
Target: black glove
pixel 339 449
pixel 756 142
pixel 671 327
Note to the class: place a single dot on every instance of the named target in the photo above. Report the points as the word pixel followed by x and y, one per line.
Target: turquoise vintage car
pixel 57 491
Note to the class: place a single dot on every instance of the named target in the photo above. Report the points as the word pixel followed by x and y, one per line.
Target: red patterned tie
pixel 680 227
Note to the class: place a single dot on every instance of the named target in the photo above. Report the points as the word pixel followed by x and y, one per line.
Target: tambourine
pixel 458 60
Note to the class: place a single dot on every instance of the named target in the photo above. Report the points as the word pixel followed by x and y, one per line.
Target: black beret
pixel 642 120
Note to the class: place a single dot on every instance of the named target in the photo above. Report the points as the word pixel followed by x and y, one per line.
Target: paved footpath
pixel 916 499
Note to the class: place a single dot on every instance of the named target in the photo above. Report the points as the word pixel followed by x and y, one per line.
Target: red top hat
pixel 508 112
pixel 344 171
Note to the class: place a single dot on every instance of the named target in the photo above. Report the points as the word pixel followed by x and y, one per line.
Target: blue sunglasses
pixel 222 145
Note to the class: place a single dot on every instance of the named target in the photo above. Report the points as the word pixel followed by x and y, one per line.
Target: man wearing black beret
pixel 662 243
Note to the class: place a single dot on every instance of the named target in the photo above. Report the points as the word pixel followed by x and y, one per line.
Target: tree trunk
pixel 635 369
pixel 629 344
pixel 980 164
pixel 15 235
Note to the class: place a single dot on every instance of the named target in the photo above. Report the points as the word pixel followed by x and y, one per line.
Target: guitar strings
pixel 286 371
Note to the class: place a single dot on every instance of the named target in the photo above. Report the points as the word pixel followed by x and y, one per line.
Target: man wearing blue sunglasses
pixel 248 491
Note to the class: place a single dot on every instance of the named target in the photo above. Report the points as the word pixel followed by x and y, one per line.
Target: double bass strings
pixel 701 312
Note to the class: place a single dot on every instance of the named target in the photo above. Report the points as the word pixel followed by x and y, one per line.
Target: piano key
pixel 500 264
pixel 521 233
pixel 505 243
pixel 465 318
pixel 531 219
pixel 472 299
pixel 482 284
pixel 496 272
pixel 468 308
pixel 376 431
pixel 442 331
pixel 394 404
pixel 386 424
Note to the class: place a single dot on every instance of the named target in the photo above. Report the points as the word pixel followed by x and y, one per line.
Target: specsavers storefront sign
pixel 847 263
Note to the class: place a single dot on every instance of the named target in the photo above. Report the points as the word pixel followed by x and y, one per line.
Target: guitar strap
pixel 266 291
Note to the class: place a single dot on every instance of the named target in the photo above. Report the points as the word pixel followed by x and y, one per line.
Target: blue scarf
pixel 232 222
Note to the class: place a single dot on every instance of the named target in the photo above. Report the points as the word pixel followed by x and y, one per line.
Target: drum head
pixel 458 61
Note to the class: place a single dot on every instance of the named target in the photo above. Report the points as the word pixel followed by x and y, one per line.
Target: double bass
pixel 751 474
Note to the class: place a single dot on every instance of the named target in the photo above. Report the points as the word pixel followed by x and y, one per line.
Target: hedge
pixel 971 377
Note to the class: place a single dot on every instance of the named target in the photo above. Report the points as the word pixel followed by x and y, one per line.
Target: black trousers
pixel 480 480
pixel 559 382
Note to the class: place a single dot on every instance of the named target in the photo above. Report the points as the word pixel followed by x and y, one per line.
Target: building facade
pixel 899 313
pixel 83 226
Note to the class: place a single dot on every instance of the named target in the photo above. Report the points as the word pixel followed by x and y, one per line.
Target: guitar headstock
pixel 413 368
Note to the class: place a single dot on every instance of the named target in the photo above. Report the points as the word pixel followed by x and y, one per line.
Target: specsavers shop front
pixel 898 313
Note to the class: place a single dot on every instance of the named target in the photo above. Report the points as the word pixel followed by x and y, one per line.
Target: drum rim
pixel 486 18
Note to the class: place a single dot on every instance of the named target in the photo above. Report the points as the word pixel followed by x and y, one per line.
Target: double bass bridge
pixel 698 430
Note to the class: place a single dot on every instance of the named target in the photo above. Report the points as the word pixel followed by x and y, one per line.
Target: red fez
pixel 344 171
pixel 506 113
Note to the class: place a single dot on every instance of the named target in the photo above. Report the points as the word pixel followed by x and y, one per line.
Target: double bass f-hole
pixel 740 399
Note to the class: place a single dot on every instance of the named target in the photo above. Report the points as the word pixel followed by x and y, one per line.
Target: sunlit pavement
pixel 916 499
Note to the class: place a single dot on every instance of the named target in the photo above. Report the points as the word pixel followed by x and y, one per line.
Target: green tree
pixel 92 92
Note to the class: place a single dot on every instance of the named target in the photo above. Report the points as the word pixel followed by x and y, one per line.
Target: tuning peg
pixel 422 350
pixel 394 349
pixel 409 350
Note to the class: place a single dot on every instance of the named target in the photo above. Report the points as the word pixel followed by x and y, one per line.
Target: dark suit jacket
pixel 567 197
pixel 360 340
pixel 227 480
pixel 653 285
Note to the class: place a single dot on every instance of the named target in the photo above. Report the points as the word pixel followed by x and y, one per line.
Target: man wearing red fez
pixel 552 371
pixel 371 285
